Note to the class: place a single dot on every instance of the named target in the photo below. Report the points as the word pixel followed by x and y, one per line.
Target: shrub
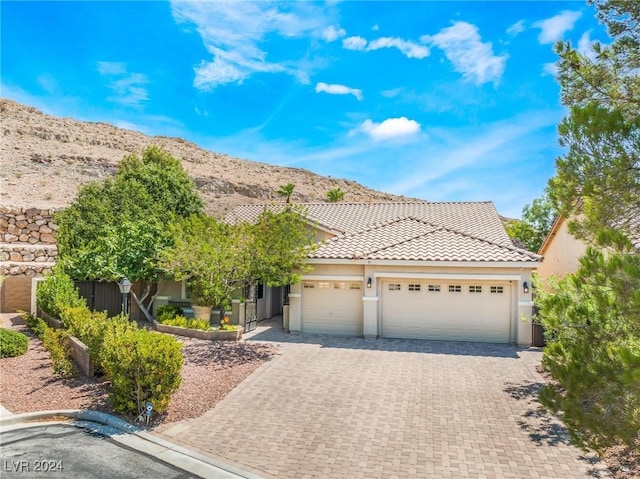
pixel 90 327
pixel 56 342
pixel 142 366
pixel 184 322
pixel 35 324
pixel 57 292
pixel 169 311
pixel 12 343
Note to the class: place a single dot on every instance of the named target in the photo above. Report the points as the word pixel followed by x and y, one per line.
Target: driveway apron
pixel 356 408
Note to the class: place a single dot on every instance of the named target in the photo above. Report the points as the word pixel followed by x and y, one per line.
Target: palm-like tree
pixel 286 191
pixel 335 195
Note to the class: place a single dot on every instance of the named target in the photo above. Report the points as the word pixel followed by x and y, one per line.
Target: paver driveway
pixel 355 408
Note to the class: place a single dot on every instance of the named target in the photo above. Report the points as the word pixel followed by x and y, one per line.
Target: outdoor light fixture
pixel 525 287
pixel 125 287
pixel 368 282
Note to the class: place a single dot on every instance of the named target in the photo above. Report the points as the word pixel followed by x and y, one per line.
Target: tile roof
pixel 410 239
pixel 423 231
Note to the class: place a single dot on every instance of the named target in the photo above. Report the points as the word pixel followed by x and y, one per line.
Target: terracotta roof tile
pixel 455 231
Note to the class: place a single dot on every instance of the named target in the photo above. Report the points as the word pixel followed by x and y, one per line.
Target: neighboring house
pixel 561 252
pixel 412 270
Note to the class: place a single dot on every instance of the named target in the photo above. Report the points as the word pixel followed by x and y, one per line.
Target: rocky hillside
pixel 45 159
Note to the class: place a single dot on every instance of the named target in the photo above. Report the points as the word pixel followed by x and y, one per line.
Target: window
pixel 260 290
pixel 455 288
pixel 394 287
pixel 355 286
pixel 339 285
pixel 434 287
pixel 414 287
pixel 324 284
pixel 475 289
pixel 497 289
pixel 308 285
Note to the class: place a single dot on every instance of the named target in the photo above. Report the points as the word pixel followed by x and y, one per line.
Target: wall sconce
pixel 369 283
pixel 525 287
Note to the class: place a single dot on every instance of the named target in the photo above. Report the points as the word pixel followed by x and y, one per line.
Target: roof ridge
pixel 438 227
pixel 406 240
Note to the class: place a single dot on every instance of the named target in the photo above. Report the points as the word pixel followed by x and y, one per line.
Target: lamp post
pixel 125 286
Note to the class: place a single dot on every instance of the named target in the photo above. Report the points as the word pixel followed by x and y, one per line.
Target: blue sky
pixel 445 101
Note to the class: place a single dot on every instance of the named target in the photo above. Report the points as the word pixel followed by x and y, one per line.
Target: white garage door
pixel 332 307
pixel 462 311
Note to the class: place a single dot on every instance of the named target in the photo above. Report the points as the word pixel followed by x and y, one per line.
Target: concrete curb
pixel 132 437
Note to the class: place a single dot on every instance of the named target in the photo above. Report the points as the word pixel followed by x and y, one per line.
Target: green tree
pixel 212 256
pixel 537 220
pixel 119 227
pixel 218 259
pixel 285 191
pixel 592 318
pixel 335 195
pixel 593 349
pixel 597 185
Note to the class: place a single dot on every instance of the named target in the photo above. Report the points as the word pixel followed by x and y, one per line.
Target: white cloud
pixel 112 68
pixel 550 69
pixel 585 46
pixel 407 48
pixel 465 149
pixel 516 28
pixel 552 29
pixel 128 88
pixel 391 93
pixel 390 128
pixel 334 89
pixel 463 46
pixel 233 34
pixel 354 43
pixel 331 33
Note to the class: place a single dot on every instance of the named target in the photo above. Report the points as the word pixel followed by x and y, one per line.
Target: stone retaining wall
pixel 27 225
pixel 27 241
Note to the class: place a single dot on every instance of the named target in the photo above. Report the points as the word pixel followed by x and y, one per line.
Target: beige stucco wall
pixel 15 294
pixel 561 254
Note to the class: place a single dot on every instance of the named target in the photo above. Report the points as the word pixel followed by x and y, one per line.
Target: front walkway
pixel 356 408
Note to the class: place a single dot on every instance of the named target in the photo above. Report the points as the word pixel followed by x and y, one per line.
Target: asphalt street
pixel 66 451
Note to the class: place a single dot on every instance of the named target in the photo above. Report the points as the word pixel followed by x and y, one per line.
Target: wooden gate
pixel 101 296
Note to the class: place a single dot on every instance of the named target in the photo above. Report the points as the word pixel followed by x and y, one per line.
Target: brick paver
pixel 356 408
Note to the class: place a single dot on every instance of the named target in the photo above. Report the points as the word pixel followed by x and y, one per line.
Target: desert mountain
pixel 45 159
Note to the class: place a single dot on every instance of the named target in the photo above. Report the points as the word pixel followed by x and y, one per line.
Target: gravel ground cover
pixel 211 369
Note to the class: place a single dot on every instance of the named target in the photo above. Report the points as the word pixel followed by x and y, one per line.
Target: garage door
pixel 462 311
pixel 332 307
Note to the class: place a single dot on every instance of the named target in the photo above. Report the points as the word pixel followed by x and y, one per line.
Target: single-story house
pixel 445 271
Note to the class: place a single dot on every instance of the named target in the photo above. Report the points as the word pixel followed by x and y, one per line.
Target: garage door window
pixel 308 285
pixel 414 287
pixel 355 286
pixel 434 287
pixel 339 285
pixel 497 289
pixel 394 287
pixel 455 288
pixel 324 284
pixel 475 289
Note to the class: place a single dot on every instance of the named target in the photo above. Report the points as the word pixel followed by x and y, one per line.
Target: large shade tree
pixel 119 227
pixel 593 317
